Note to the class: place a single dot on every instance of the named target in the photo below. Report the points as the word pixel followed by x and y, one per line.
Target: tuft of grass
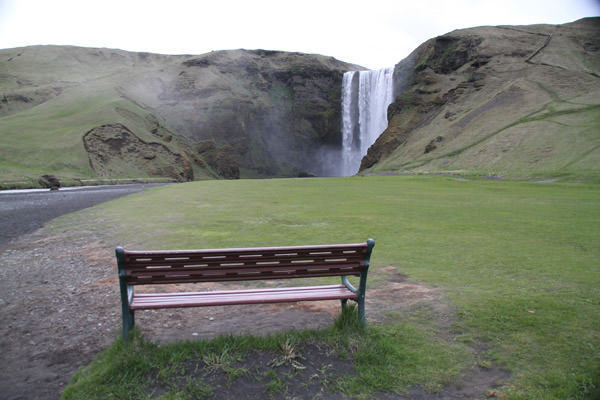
pixel 397 357
pixel 122 371
pixel 288 355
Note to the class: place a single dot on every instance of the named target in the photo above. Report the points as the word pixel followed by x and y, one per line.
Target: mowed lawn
pixel 518 262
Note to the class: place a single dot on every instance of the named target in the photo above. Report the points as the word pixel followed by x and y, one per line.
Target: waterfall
pixel 366 96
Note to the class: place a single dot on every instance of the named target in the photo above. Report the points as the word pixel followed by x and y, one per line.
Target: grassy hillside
pixel 516 264
pixel 51 97
pixel 255 111
pixel 508 101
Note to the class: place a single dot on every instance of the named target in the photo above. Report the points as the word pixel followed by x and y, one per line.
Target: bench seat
pixel 145 301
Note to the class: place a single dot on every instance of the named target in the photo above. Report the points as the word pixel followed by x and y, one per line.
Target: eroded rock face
pixel 277 110
pixel 503 99
pixel 114 150
pixel 14 103
pixel 221 159
pixel 270 113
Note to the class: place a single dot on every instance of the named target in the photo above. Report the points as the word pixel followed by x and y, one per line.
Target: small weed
pixel 276 385
pixel 218 361
pixel 348 320
pixel 322 376
pixel 289 355
pixel 198 390
pixel 223 361
pixel 235 373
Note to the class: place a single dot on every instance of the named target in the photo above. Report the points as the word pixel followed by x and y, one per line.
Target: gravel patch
pixel 24 211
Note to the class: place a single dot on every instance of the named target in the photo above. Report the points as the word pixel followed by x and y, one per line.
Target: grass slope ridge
pixel 258 112
pixel 514 101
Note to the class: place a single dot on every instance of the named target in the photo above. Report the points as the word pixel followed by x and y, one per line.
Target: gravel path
pixel 24 211
pixel 45 334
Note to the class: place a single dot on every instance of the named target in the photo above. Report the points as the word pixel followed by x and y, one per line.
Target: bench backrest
pixel 187 266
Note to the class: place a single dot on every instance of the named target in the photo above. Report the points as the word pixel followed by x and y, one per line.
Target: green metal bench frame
pixel 244 264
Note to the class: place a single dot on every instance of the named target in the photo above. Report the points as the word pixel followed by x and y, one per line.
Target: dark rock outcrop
pixel 49 181
pixel 114 150
pixel 274 109
pixel 221 159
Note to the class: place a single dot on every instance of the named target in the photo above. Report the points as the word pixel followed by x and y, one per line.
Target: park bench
pixel 244 264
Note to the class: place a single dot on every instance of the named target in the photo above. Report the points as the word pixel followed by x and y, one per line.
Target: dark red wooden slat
pixel 328 265
pixel 183 261
pixel 251 250
pixel 238 269
pixel 204 275
pixel 252 296
pixel 260 267
pixel 199 257
pixel 193 279
pixel 297 265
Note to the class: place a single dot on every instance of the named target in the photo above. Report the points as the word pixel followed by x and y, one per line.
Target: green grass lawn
pixel 519 263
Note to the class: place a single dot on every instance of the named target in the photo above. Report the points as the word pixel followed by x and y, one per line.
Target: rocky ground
pixel 59 306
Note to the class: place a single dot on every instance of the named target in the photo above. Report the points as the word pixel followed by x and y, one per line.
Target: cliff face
pixel 505 101
pixel 275 109
pixel 81 113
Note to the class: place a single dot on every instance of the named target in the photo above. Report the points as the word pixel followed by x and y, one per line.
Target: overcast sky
pixel 371 33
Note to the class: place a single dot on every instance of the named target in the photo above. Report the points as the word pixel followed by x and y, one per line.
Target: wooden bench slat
pixel 249 250
pixel 283 272
pixel 170 275
pixel 240 268
pixel 280 252
pixel 265 265
pixel 262 259
pixel 249 268
pixel 252 296
pixel 245 264
pixel 225 278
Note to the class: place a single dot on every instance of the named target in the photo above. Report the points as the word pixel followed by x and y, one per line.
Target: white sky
pixel 371 33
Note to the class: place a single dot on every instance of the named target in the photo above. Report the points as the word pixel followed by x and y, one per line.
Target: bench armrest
pixel 347 283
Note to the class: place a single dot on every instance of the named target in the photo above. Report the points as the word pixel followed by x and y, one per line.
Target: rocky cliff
pixel 278 111
pixel 84 113
pixel 520 101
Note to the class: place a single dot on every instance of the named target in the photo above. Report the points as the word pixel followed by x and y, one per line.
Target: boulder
pixel 49 181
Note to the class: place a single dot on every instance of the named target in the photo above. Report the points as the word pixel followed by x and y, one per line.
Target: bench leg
pixel 361 309
pixel 128 322
pixel 344 302
pixel 126 294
